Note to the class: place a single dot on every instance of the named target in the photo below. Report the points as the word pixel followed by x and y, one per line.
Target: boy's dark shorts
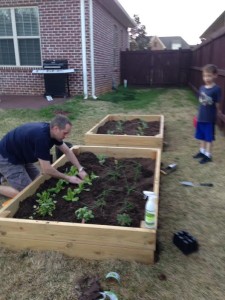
pixel 205 131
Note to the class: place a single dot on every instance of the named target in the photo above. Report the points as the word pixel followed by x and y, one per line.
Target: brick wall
pixel 60 35
pixel 60 39
pixel 110 37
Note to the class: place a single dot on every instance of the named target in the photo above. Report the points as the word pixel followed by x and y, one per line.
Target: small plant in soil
pixel 119 126
pixel 73 171
pixel 71 195
pixel 59 186
pixel 124 219
pixel 88 179
pixel 101 200
pixel 84 214
pixel 140 129
pixel 137 171
pixel 45 206
pixel 110 132
pixel 101 159
pixel 115 174
pixel 144 124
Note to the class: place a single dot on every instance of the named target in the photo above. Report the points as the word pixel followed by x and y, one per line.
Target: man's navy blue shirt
pixel 28 143
pixel 208 97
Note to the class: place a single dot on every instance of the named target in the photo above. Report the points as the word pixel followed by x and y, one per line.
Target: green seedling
pixel 71 195
pixel 124 219
pixel 101 159
pixel 45 206
pixel 119 126
pixel 84 214
pixel 127 206
pixel 144 124
pixel 73 171
pixel 140 130
pixel 88 179
pixel 110 132
pixel 59 187
pixel 137 171
pixel 100 203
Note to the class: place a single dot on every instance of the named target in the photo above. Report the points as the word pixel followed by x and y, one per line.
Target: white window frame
pixel 15 37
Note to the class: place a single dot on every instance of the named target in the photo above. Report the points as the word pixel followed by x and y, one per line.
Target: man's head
pixel 209 74
pixel 60 127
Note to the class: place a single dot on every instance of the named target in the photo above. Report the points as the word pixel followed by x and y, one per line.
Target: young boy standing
pixel 209 97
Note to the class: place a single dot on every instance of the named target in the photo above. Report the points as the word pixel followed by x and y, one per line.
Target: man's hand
pixel 82 174
pixel 74 180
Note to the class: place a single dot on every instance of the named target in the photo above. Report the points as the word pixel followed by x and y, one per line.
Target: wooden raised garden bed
pixel 121 130
pixel 91 241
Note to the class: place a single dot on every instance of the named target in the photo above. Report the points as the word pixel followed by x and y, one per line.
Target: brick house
pixel 89 33
pixel 168 43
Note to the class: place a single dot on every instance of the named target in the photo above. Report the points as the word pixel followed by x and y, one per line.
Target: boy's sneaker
pixel 205 160
pixel 199 155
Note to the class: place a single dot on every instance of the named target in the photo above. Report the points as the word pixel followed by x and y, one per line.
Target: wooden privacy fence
pixel 156 68
pixel 213 52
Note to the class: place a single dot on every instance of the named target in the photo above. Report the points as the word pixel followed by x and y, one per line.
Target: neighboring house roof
pixel 156 38
pixel 117 10
pixel 215 26
pixel 168 41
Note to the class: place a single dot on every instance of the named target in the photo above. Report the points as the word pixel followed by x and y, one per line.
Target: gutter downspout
pixel 84 54
pixel 92 49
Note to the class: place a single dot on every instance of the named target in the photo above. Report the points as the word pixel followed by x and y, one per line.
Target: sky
pixel 188 19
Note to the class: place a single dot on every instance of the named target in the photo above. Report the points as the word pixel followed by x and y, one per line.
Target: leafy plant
pixel 59 186
pixel 110 132
pixel 101 203
pixel 144 124
pixel 137 171
pixel 71 195
pixel 119 126
pixel 73 171
pixel 88 179
pixel 124 219
pixel 84 214
pixel 101 159
pixel 140 130
pixel 115 174
pixel 46 205
pixel 127 206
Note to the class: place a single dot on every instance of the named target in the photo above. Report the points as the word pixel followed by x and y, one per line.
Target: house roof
pixel 169 40
pixel 117 10
pixel 217 24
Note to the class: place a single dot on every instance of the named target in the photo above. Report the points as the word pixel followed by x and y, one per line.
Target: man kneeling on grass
pixel 23 146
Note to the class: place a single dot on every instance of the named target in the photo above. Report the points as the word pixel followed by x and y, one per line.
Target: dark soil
pixel 120 184
pixel 132 127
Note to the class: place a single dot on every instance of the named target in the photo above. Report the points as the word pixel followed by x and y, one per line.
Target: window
pixel 19 37
pixel 176 46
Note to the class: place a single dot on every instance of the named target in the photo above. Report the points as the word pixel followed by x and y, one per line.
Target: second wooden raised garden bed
pixel 128 131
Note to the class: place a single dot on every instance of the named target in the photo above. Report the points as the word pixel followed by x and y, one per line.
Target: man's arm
pixel 73 159
pixel 47 169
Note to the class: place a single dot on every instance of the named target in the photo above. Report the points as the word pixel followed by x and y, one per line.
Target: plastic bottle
pixel 150 209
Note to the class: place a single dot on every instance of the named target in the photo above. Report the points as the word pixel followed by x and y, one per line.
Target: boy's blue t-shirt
pixel 28 143
pixel 208 97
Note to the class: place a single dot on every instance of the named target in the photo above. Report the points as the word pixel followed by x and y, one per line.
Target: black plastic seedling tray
pixel 185 242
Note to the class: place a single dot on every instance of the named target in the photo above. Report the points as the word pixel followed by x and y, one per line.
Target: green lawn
pixel 47 275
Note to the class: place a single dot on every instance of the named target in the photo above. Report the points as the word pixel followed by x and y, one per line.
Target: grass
pixel 200 276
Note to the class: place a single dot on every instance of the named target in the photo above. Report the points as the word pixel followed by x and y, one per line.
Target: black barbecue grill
pixel 56 77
